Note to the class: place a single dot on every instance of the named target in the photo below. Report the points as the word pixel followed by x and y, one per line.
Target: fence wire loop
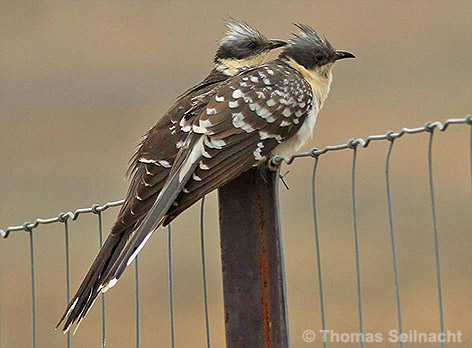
pixel 430 126
pixel 390 136
pixel 352 143
pixel 469 120
pixel 62 217
pixel 314 152
pixel 95 209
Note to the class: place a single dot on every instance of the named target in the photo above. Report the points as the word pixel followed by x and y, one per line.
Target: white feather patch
pixel 136 252
pixel 237 94
pixel 165 164
pixel 192 158
pixel 211 111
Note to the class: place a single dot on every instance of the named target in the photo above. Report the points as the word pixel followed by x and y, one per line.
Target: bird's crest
pixel 309 36
pixel 240 31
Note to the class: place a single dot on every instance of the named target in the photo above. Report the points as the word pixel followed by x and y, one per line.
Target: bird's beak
pixel 276 44
pixel 343 55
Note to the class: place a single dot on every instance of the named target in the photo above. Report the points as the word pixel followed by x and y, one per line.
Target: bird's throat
pixel 230 66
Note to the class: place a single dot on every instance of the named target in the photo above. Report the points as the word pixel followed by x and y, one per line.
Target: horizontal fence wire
pixel 352 143
pixel 276 160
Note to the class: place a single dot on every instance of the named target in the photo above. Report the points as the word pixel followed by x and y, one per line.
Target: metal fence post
pixel 252 262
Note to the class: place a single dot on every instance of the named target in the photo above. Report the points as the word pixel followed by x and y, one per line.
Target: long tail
pixel 90 287
pixel 184 166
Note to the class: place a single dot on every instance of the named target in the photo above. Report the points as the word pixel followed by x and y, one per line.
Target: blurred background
pixel 80 82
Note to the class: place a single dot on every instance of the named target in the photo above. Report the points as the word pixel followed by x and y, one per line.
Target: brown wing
pixel 150 165
pixel 245 120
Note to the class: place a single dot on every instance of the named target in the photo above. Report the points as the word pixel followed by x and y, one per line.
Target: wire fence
pixel 353 145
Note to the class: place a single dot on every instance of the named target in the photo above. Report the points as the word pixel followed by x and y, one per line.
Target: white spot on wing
pixel 200 130
pixel 211 111
pixel 287 112
pixel 147 171
pixel 165 164
pixel 219 98
pixel 233 104
pixel 263 112
pixel 285 123
pixel 260 95
pixel 265 135
pixel 257 152
pixel 254 107
pixel 205 123
pixel 145 160
pixel 237 94
pixel 218 143
pixel 203 166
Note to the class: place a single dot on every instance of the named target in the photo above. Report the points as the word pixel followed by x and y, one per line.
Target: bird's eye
pixel 319 57
pixel 252 45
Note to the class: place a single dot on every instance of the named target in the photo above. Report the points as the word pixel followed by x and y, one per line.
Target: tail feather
pixel 180 174
pixel 90 287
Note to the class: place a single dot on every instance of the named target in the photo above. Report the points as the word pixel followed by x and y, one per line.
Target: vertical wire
pixel 205 292
pixel 282 253
pixel 33 289
pixel 435 231
pixel 171 296
pixel 470 159
pixel 100 237
pixel 66 236
pixel 318 255
pixel 136 269
pixel 356 244
pixel 392 238
pixel 1 282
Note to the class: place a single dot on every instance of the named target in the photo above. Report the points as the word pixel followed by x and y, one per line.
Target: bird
pixel 267 110
pixel 242 46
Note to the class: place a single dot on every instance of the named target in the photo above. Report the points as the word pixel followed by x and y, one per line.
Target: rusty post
pixel 252 263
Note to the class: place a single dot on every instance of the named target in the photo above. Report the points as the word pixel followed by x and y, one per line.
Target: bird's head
pixel 243 46
pixel 313 53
